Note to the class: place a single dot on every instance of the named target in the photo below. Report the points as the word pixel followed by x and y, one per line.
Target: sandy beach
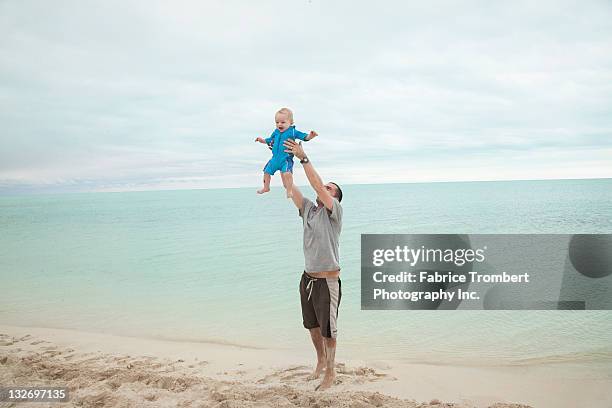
pixel 108 370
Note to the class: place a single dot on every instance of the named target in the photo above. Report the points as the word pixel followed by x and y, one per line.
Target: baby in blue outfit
pixel 282 160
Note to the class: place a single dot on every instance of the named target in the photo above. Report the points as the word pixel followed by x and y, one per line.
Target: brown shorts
pixel 320 298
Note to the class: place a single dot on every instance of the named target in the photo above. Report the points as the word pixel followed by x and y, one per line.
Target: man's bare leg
pixel 330 369
pixel 288 183
pixel 266 186
pixel 317 341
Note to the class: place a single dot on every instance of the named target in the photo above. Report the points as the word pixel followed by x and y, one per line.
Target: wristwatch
pixel 305 160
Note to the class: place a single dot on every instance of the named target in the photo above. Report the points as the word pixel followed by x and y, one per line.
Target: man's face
pixel 332 189
pixel 282 122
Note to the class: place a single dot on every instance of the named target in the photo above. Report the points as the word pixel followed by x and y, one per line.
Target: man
pixel 320 286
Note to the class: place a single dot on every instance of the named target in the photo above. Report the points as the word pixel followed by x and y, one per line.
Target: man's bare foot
pixel 263 190
pixel 317 371
pixel 328 381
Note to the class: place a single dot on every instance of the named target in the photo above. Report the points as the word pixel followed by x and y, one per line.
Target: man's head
pixel 338 191
pixel 283 119
pixel 334 190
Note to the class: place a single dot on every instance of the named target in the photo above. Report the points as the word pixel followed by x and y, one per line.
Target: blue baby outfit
pixel 282 160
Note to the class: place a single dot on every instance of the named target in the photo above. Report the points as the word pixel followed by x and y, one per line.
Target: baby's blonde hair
pixel 286 111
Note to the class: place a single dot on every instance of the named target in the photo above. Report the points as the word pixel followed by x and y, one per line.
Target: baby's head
pixel 283 119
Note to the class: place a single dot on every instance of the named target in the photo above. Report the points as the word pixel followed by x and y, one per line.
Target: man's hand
pixel 294 148
pixel 311 174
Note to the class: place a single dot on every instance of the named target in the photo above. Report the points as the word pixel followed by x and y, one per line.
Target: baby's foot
pixel 263 190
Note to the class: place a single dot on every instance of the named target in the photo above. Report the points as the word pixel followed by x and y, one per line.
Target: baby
pixel 280 159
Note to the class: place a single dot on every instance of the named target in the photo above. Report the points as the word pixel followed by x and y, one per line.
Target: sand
pixel 106 370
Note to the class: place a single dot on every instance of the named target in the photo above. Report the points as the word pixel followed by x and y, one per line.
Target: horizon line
pixel 29 193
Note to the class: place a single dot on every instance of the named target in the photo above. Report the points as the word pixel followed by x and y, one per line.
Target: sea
pixel 223 266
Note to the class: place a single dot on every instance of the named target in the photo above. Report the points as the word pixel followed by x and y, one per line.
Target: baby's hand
pixel 260 140
pixel 312 134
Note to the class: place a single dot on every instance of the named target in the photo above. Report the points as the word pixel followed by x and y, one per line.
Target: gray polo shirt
pixel 321 236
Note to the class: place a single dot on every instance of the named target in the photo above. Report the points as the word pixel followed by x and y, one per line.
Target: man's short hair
pixel 339 197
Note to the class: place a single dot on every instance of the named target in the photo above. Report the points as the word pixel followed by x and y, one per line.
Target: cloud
pixel 139 95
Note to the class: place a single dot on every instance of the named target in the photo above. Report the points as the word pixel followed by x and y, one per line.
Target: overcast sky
pixel 133 95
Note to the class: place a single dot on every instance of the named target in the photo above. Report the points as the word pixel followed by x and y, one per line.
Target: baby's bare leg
pixel 288 183
pixel 266 185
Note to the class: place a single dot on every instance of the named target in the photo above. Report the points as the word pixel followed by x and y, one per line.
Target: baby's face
pixel 282 122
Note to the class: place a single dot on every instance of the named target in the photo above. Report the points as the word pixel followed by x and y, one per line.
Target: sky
pixel 144 95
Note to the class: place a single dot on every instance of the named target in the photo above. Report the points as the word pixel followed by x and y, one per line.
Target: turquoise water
pixel 224 265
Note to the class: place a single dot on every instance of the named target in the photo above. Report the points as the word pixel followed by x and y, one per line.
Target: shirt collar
pixel 289 128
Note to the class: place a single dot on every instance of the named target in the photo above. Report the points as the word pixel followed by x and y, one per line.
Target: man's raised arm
pixel 313 177
pixel 298 198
